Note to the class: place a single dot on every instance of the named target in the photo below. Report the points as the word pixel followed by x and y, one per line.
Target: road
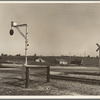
pixel 58 69
pixel 74 69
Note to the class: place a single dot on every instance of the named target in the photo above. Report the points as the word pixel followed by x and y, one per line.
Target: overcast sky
pixel 54 29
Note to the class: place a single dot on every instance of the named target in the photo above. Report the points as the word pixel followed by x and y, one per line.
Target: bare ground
pixel 12 84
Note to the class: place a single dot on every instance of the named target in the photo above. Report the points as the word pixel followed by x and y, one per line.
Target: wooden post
pixel 99 61
pixel 48 73
pixel 27 78
pixel 23 75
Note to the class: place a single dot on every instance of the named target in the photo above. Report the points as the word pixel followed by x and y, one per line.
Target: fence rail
pixel 36 67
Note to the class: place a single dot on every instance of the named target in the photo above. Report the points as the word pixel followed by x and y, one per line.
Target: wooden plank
pixel 27 73
pixel 98 49
pixel 97 44
pixel 48 73
pixel 27 78
pixel 36 66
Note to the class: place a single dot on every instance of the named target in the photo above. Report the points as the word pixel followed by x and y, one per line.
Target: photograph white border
pixel 49 97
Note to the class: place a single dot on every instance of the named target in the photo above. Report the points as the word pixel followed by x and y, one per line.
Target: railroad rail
pixel 35 67
pixel 75 79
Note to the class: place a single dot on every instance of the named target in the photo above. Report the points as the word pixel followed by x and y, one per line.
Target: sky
pixel 53 28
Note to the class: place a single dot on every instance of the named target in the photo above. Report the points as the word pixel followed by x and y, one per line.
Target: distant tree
pixel 88 56
pixel 74 56
pixel 35 55
pixel 18 55
pixel 3 54
pixel 10 55
pixel 97 56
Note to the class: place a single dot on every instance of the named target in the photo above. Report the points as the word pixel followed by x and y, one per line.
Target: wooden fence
pixel 36 67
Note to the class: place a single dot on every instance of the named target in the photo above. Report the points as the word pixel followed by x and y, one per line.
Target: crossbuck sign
pixel 98 46
pixel 98 49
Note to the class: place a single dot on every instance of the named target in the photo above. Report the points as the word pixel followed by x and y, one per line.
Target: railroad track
pixel 75 79
pixel 83 73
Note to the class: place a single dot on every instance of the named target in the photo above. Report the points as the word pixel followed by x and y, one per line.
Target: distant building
pixel 62 61
pixel 40 60
pixel 77 62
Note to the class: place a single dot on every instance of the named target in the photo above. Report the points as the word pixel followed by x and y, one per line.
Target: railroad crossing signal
pixel 98 49
pixel 98 46
pixel 11 32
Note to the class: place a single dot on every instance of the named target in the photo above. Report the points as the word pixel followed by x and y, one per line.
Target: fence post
pixel 48 73
pixel 27 78
pixel 23 75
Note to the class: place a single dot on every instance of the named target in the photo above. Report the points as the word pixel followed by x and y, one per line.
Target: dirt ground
pixel 12 84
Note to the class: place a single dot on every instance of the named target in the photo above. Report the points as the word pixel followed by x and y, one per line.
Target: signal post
pixel 15 25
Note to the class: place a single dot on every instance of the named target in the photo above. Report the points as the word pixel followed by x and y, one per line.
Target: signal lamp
pixel 11 32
